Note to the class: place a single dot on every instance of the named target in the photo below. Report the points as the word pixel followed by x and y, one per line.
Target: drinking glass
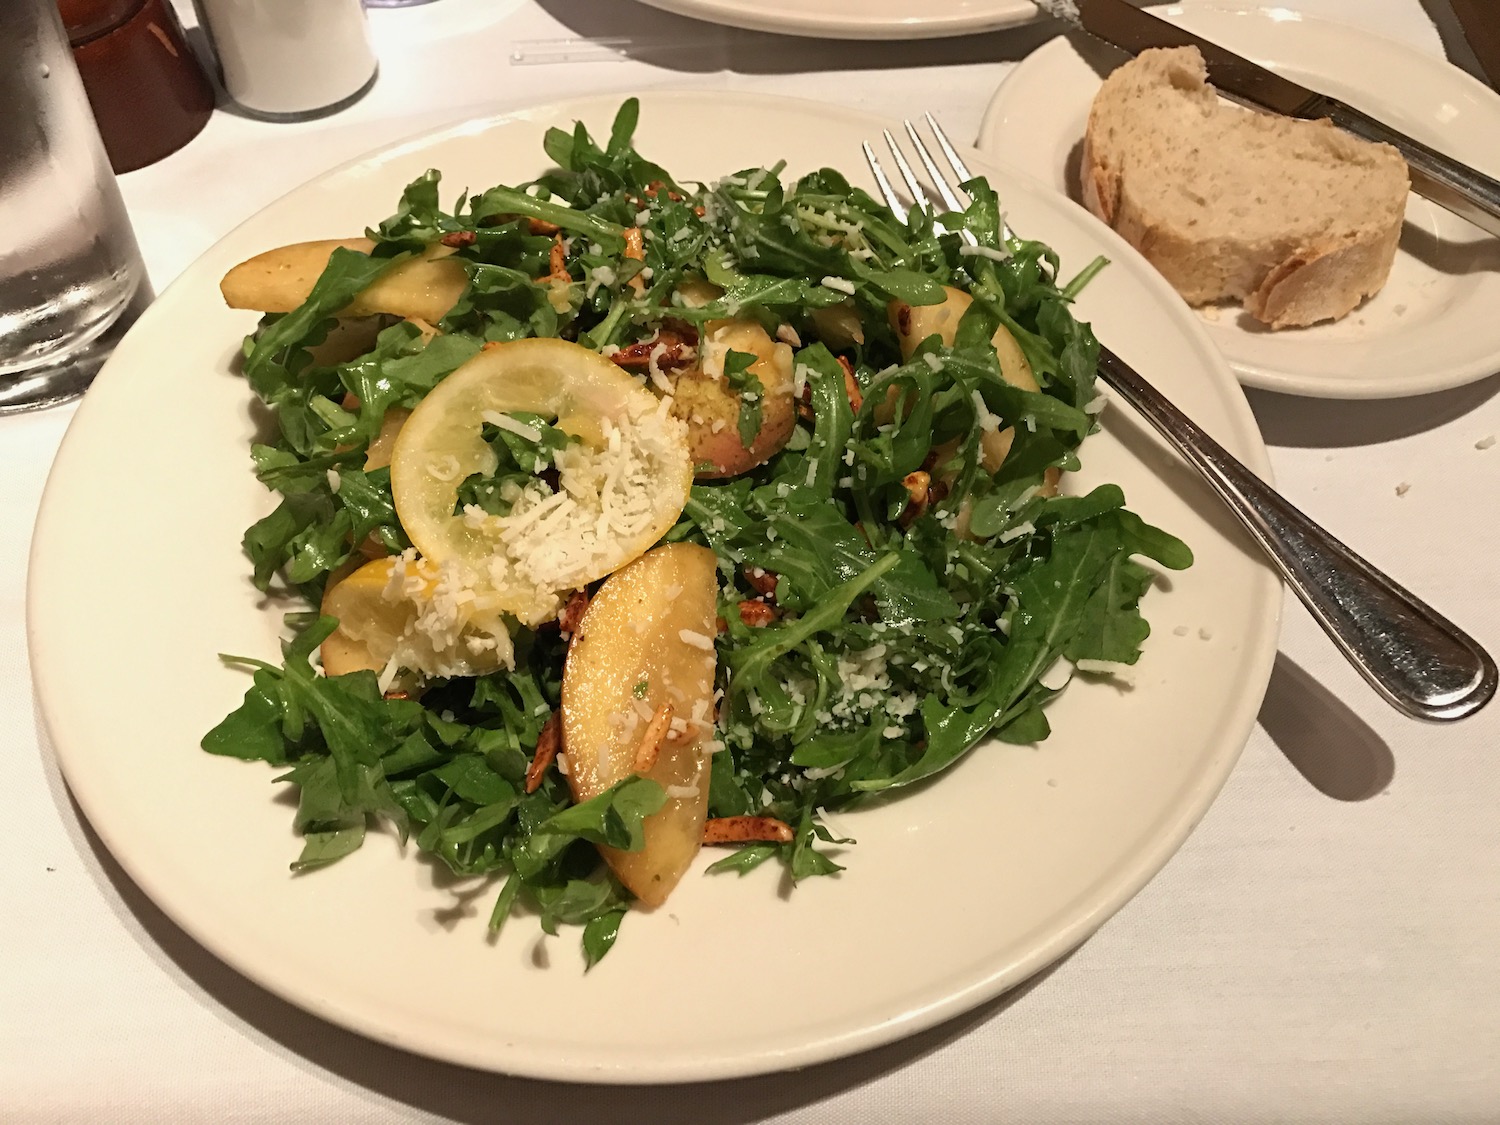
pixel 71 276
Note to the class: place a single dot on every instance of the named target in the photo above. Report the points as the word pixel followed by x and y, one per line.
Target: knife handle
pixel 1448 183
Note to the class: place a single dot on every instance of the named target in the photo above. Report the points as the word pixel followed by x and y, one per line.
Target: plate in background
pixel 859 19
pixel 1434 325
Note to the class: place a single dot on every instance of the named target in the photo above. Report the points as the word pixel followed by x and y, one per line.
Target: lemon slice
pixel 401 612
pixel 620 488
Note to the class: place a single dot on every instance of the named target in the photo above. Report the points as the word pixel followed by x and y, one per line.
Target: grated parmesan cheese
pixel 697 640
pixel 1056 678
pixel 994 255
pixel 1113 668
pixel 505 422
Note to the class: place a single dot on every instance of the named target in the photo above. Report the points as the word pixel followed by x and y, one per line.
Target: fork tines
pixel 946 189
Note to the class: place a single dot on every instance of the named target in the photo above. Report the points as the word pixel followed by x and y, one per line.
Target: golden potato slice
pixel 914 323
pixel 277 281
pixel 349 338
pixel 696 292
pixel 839 325
pixel 645 644
pixel 378 454
pixel 702 398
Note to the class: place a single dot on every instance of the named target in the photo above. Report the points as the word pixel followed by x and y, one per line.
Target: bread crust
pixel 1285 280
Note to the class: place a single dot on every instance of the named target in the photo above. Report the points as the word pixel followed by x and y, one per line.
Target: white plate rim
pixel 54 696
pixel 1058 53
pixel 865 20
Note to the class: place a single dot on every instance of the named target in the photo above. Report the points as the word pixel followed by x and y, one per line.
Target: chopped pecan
pixel 548 743
pixel 459 238
pixel 917 487
pixel 804 404
pixel 763 582
pixel 676 352
pixel 572 613
pixel 746 830
pixel 533 226
pixel 757 615
pixel 654 188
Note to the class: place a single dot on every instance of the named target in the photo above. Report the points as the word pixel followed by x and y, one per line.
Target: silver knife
pixel 1445 181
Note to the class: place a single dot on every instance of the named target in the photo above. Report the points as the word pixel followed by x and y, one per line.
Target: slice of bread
pixel 1297 219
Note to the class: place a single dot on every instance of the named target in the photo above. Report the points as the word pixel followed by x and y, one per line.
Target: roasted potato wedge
pixel 702 398
pixel 643 646
pixel 279 280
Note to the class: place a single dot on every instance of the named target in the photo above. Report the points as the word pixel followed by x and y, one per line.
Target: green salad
pixel 898 575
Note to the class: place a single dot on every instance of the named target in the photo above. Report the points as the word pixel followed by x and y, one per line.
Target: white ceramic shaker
pixel 290 59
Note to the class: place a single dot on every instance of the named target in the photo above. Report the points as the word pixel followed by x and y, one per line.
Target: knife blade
pixel 1442 179
pixel 1476 19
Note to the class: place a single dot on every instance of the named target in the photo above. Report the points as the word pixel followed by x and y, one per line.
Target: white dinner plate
pixel 1434 325
pixel 858 19
pixel 954 892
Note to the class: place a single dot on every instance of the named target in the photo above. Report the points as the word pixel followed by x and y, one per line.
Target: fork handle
pixel 1417 659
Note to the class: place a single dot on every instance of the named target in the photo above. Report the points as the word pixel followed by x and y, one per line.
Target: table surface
pixel 1326 947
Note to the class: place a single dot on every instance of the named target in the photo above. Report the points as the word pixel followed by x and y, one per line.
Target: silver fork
pixel 1418 660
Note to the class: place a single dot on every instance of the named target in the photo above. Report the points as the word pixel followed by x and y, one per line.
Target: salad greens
pixel 907 627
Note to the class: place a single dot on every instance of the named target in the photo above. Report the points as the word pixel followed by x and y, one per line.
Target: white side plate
pixel 954 893
pixel 1434 325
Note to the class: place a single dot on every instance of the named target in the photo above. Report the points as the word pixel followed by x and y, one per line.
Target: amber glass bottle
pixel 147 89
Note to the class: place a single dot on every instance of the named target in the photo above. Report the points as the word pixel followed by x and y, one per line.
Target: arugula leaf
pixel 613 818
pixel 744 383
pixel 599 936
pixel 745 860
pixel 348 273
pixel 251 731
pixel 918 591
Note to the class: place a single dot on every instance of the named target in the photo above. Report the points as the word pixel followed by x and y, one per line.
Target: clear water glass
pixel 71 276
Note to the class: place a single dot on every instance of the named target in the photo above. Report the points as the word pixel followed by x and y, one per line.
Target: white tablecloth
pixel 1326 947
